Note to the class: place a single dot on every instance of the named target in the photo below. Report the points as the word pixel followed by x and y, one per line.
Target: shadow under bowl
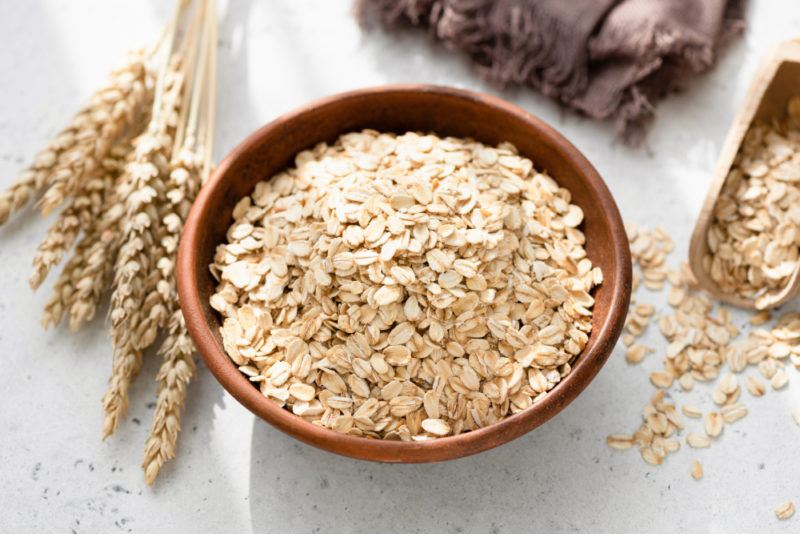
pixel 401 108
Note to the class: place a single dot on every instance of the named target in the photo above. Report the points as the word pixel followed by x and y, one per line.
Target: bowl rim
pixel 583 372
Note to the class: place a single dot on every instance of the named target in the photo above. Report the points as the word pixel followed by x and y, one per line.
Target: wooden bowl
pixel 402 108
pixel 777 81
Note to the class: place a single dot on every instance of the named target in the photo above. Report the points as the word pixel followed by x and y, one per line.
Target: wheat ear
pixel 183 185
pixel 35 178
pixel 139 293
pixel 80 215
pixel 85 142
pixel 109 113
pixel 127 363
pixel 173 379
pixel 95 276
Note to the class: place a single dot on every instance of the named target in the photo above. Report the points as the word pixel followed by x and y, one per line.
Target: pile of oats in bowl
pixel 405 287
pixel 754 242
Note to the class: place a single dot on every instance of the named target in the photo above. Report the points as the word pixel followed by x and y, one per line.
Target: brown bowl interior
pixel 399 109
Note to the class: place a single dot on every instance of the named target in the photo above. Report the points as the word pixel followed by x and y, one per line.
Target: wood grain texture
pixel 401 108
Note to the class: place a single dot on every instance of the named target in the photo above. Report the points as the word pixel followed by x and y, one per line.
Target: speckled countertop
pixel 236 474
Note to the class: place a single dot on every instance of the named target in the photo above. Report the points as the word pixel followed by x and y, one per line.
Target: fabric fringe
pixel 572 51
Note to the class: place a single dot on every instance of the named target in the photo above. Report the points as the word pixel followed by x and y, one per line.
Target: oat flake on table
pixel 405 287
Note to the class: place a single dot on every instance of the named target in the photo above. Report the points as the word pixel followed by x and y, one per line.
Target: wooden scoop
pixel 776 83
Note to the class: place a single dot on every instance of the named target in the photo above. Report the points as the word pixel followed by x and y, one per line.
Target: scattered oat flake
pixel 651 456
pixel 620 441
pixel 636 353
pixel 728 384
pixel 755 386
pixel 784 510
pixel 779 379
pixel 701 347
pixel 733 412
pixel 686 381
pixel 690 410
pixel 697 470
pixel 697 441
pixel 676 296
pixel 713 424
pixel 719 397
pixel 661 379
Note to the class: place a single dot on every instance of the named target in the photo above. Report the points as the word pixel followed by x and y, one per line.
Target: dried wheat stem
pixel 63 289
pixel 34 179
pixel 98 267
pixel 182 188
pixel 127 363
pixel 17 196
pixel 93 281
pixel 125 204
pixel 210 82
pixel 139 294
pixel 198 88
pixel 189 51
pixel 155 312
pixel 87 274
pixel 132 269
pixel 59 239
pixel 111 111
pixel 66 288
pixel 144 187
pixel 178 366
pixel 85 211
pixel 168 53
pixel 81 214
pixel 138 302
pixel 173 378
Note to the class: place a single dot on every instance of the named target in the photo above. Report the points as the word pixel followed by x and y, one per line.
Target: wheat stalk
pixel 124 206
pixel 36 177
pixel 178 366
pixel 86 275
pixel 138 306
pixel 99 253
pixel 127 363
pixel 80 215
pixel 85 142
pixel 181 189
pixel 63 290
pixel 173 379
pixel 188 173
pixel 70 287
pixel 60 237
pixel 18 195
pixel 131 279
pixel 109 113
pixel 94 213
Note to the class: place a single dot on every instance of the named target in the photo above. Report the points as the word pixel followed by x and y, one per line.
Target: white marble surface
pixel 236 474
